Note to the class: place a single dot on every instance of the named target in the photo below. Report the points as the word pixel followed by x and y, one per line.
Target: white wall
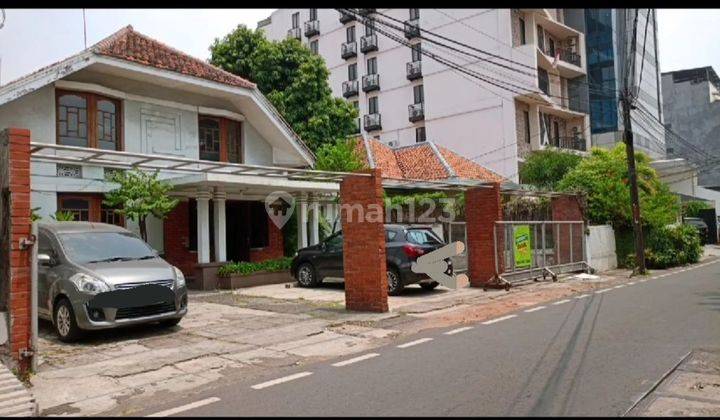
pixel 601 248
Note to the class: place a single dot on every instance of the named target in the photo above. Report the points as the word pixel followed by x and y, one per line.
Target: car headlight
pixel 89 284
pixel 179 278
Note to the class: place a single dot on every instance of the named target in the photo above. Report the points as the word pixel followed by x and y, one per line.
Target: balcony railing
pixel 414 70
pixel 312 28
pixel 569 56
pixel 569 142
pixel 348 50
pixel 346 17
pixel 365 12
pixel 370 82
pixel 372 122
pixel 412 28
pixel 349 88
pixel 294 33
pixel 416 112
pixel 368 43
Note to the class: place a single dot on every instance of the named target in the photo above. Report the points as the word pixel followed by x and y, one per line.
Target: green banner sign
pixel 523 252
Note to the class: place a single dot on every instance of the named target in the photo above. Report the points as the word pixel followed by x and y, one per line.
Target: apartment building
pixel 608 37
pixel 405 97
pixel 691 105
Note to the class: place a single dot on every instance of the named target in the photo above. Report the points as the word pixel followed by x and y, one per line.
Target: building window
pixel 369 28
pixel 373 106
pixel 543 81
pixel 526 118
pixel 220 139
pixel 78 206
pixel 414 14
pixel 419 134
pixel 313 14
pixel 416 52
pixel 314 46
pixel 372 65
pixel 296 20
pixel 350 34
pixel 88 208
pixel 88 120
pixel 523 40
pixel 352 71
pixel 419 94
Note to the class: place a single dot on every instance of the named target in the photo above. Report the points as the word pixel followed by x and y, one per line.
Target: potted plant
pixel 247 274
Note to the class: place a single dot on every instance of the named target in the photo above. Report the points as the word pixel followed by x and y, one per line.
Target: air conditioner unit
pixel 392 143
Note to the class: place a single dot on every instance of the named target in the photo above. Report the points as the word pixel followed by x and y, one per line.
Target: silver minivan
pixel 96 276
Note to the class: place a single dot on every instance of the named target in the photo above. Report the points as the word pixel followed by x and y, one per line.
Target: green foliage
pixel 545 168
pixel 447 203
pixel 692 208
pixel 63 216
pixel 245 268
pixel 139 195
pixel 341 156
pixel 293 78
pixel 34 216
pixel 670 246
pixel 603 178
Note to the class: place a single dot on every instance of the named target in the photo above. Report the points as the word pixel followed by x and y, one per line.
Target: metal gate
pixel 555 247
pixel 456 231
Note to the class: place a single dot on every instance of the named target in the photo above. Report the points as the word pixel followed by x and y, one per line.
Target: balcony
pixel 569 142
pixel 569 57
pixel 350 88
pixel 346 17
pixel 412 28
pixel 368 43
pixel 371 82
pixel 348 50
pixel 416 112
pixel 365 12
pixel 372 122
pixel 294 33
pixel 312 28
pixel 414 70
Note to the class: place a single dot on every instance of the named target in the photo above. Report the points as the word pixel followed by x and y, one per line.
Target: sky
pixel 31 39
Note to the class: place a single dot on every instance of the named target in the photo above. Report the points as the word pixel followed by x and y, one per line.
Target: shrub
pixel 545 168
pixel 693 208
pixel 245 268
pixel 671 246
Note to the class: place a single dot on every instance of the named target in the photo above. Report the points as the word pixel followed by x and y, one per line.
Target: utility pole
pixel 627 99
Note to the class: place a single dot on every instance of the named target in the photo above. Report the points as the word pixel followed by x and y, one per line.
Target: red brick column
pixel 18 144
pixel 483 207
pixel 364 243
pixel 567 208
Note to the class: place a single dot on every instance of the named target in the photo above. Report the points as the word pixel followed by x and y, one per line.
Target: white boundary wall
pixel 601 248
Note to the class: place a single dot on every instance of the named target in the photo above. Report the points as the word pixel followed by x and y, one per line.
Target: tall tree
pixel 545 168
pixel 293 78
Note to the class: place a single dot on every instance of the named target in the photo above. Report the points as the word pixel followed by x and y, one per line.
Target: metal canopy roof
pixel 55 153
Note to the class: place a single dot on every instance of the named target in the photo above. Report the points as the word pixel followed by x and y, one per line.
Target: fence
pixel 528 250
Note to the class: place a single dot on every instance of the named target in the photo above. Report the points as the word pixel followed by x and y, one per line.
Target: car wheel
pixel 306 275
pixel 395 286
pixel 65 323
pixel 429 286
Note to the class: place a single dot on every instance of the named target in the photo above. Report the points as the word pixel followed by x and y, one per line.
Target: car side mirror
pixel 46 260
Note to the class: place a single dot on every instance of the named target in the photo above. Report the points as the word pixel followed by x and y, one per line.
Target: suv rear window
pixel 390 235
pixel 423 237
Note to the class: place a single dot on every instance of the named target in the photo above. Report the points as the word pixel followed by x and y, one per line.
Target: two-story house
pixel 138 98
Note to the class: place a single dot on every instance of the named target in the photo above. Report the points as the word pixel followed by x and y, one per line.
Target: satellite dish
pixel 2 18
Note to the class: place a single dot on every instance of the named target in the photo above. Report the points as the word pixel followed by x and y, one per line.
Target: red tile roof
pixel 127 44
pixel 423 161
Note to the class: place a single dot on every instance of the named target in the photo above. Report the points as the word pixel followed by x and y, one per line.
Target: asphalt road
pixel 592 354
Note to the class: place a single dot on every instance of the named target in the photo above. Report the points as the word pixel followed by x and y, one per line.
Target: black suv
pixel 403 245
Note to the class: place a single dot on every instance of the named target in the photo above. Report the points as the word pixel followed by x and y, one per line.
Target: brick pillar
pixel 567 208
pixel 364 243
pixel 17 142
pixel 483 207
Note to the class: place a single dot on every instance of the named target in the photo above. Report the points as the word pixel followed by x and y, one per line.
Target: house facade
pixel 130 95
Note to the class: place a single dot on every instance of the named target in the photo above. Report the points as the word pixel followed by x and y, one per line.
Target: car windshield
pixel 92 247
pixel 423 237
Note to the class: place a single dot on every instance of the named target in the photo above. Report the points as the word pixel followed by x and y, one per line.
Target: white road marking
pixel 415 343
pixel 356 359
pixel 619 286
pixel 560 302
pixel 185 407
pixel 281 380
pixel 582 296
pixel 631 283
pixel 535 309
pixel 458 330
pixel 603 290
pixel 502 318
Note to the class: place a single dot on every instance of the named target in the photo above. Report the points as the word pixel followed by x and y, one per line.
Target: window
pixel 296 20
pixel 416 52
pixel 372 65
pixel 419 94
pixel 526 117
pixel 414 14
pixel 352 71
pixel 543 81
pixel 313 14
pixel 373 106
pixel 314 46
pixel 88 120
pixel 78 206
pixel 541 38
pixel 335 243
pixel 556 132
pixel 356 105
pixel 369 28
pixel 390 235
pixel 422 237
pixel 88 208
pixel 258 226
pixel 551 47
pixel 220 139
pixel 419 134
pixel 523 40
pixel 85 247
pixel 350 34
